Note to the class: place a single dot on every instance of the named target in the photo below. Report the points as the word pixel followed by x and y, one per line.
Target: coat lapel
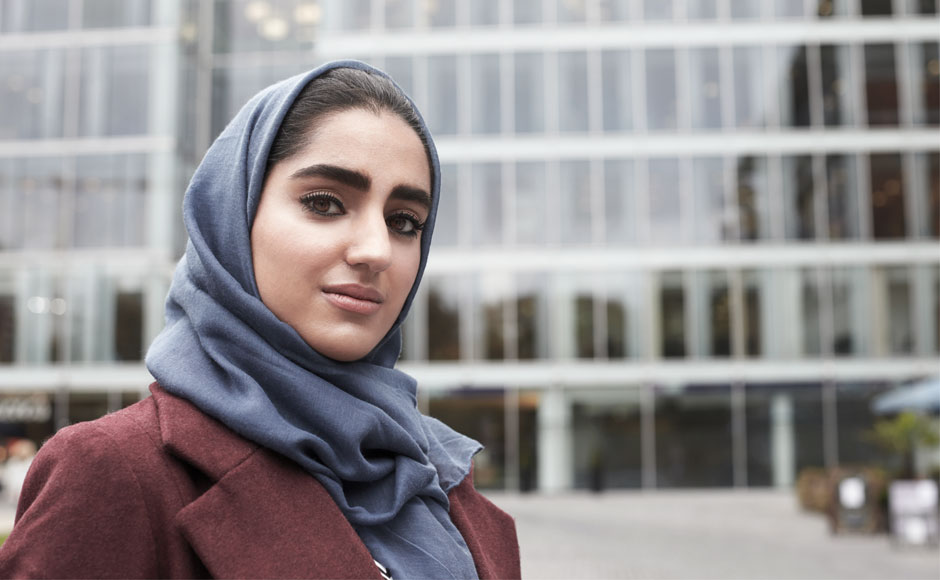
pixel 263 516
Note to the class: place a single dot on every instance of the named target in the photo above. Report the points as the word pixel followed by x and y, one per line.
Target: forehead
pixel 368 142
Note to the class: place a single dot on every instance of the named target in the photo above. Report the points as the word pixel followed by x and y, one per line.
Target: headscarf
pixel 354 426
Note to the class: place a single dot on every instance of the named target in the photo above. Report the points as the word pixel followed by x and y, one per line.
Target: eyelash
pixel 309 200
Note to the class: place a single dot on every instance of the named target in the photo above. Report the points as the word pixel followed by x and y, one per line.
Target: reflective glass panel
pixel 875 7
pixel 705 88
pixel 115 13
pixel 572 91
pixel 401 68
pixel 693 436
pixel 479 414
pixel 711 296
pixel 619 201
pixel 745 9
pixel 484 12
pixel 529 100
pixel 784 432
pixel 31 94
pixel 672 315
pixel 713 219
pixel 925 62
pixel 447 226
pixel 894 309
pixel 855 419
pixel 8 313
pixel 354 14
pixel 887 196
pixel 10 205
pixel 399 14
pixel 661 89
pixel 798 204
pixel 755 301
pixel 613 10
pixel 575 194
pixel 484 94
pixel 881 85
pixel 571 10
pixel 526 12
pixel 665 201
pixel 606 432
pixel 40 188
pixel 657 9
pixel 441 110
pixel 702 9
pixel 440 13
pixel 792 82
pixel 110 201
pixel 842 196
pixel 811 313
pixel 33 15
pixel 789 9
pixel 617 90
pixel 839 86
pixel 627 305
pixel 443 294
pixel 931 165
pixel 850 311
pixel 748 66
pixel 486 187
pixel 532 316
pixel 115 91
pixel 835 8
pixel 490 299
pixel 753 198
pixel 531 204
pixel 252 26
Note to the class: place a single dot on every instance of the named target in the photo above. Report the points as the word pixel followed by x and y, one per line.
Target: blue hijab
pixel 353 426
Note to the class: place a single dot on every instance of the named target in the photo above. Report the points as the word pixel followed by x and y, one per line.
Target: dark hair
pixel 335 91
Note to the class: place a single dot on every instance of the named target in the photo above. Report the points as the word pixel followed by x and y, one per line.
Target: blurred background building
pixel 681 243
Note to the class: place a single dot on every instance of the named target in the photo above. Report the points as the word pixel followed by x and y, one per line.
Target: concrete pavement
pixel 698 535
pixel 727 535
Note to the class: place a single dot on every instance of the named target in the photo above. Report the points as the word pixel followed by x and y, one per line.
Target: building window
pixel 401 68
pixel 876 7
pixel 610 10
pixel 7 327
pixel 748 67
pixel 811 313
pixel 606 432
pixel 31 94
pixel 784 426
pixel 399 14
pixel 887 196
pixel 798 198
pixel 881 85
pixel 705 88
pixel 855 418
pixel 441 111
pixel 39 192
pixel 665 202
pixel 33 16
pixel 444 318
pixel 128 326
pixel 446 225
pixel 572 92
pixel 570 11
pixel 661 89
pixel 894 310
pixel 753 198
pixel 793 86
pixel 619 201
pixel 529 73
pixel 657 10
pixel 526 12
pixel 484 94
pixel 672 326
pixel 115 92
pixel 441 13
pixel 492 296
pixel 711 297
pixel 926 77
pixel 479 414
pixel 745 9
pixel 786 9
pixel 702 9
pixel 850 311
pixel 110 194
pixel 713 221
pixel 576 202
pixel 693 436
pixel 617 90
pixel 484 13
pixel 486 198
pixel 842 196
pixel 755 303
pixel 531 203
pixel 838 86
pixel 532 316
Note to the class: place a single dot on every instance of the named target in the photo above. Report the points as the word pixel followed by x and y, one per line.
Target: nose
pixel 370 245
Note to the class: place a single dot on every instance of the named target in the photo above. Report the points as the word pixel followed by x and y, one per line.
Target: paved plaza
pixel 698 535
pixel 723 535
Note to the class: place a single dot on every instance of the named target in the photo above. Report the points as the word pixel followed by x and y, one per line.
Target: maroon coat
pixel 162 490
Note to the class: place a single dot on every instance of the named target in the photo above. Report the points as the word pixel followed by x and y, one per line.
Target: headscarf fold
pixel 353 426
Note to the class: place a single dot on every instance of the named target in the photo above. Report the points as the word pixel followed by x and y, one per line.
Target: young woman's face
pixel 336 242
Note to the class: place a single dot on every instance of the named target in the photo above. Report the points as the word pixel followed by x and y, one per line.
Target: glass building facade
pixel 680 244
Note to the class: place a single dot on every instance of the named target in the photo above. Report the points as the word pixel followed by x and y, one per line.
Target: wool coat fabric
pixel 161 490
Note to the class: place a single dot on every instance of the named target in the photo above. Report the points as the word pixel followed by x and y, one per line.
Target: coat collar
pixel 262 516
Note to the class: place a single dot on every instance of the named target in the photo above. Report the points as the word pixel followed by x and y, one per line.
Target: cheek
pixel 406 272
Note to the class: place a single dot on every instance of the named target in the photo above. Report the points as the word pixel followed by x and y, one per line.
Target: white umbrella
pixel 922 395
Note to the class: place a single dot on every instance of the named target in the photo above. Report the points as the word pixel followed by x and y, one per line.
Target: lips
pixel 354 298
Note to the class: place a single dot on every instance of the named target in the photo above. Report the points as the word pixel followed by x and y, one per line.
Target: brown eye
pixel 323 204
pixel 404 224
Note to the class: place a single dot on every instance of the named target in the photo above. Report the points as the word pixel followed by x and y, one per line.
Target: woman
pixel 279 441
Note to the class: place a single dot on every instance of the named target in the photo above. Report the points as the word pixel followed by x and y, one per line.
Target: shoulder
pixel 490 532
pixel 85 509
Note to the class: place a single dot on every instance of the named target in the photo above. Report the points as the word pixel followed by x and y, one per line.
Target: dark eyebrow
pixel 348 177
pixel 408 193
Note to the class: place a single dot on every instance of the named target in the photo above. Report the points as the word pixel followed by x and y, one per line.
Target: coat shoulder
pixel 490 532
